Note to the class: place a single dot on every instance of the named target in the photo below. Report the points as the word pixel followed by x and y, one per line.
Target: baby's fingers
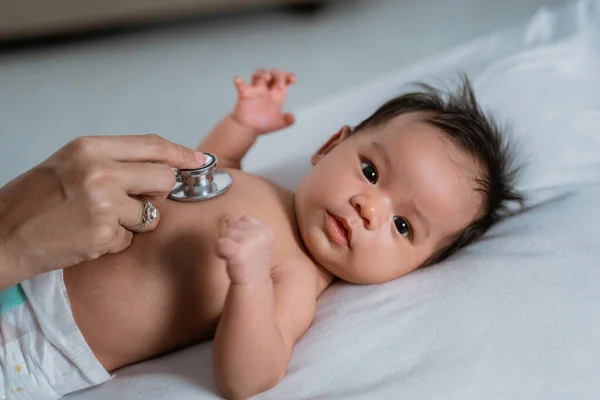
pixel 226 248
pixel 279 78
pixel 290 78
pixel 260 76
pixel 236 234
pixel 288 119
pixel 240 85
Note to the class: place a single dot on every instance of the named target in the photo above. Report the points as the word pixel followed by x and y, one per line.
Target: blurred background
pixel 169 65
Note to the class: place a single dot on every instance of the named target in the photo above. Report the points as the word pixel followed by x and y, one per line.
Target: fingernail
pixel 199 156
pixel 177 174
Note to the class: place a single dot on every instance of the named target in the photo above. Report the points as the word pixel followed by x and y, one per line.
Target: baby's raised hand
pixel 260 103
pixel 246 245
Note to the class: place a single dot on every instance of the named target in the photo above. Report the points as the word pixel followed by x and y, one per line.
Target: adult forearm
pixel 11 269
pixel 250 355
pixel 229 141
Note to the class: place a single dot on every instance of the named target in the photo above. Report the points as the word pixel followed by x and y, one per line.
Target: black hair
pixel 458 114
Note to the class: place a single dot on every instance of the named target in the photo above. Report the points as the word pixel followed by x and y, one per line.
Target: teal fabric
pixel 12 297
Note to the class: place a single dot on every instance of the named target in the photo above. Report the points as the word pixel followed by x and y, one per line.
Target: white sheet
pixel 515 315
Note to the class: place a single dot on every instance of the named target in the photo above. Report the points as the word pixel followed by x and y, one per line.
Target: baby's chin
pixel 317 249
pixel 325 258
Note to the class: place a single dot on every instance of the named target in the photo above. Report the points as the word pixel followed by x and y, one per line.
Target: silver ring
pixel 149 214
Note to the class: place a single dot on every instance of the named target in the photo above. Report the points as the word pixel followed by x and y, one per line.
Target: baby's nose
pixel 368 210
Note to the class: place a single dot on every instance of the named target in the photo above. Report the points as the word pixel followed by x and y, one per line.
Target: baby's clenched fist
pixel 246 245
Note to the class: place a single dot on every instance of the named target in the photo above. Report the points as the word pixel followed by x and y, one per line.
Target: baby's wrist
pixel 252 276
pixel 243 127
pixel 254 283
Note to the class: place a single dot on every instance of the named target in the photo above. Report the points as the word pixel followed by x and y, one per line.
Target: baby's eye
pixel 403 226
pixel 369 171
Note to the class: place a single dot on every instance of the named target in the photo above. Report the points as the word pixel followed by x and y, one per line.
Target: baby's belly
pixel 167 289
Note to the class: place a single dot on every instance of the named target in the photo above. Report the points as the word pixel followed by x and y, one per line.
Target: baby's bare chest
pixel 188 232
pixel 179 259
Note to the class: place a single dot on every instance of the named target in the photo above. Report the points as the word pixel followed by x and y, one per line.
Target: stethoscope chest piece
pixel 204 183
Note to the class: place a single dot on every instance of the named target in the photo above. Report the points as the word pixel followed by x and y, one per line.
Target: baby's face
pixel 379 202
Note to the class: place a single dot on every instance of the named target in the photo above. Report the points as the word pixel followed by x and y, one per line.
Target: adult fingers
pixel 138 148
pixel 150 179
pixel 122 240
pixel 132 215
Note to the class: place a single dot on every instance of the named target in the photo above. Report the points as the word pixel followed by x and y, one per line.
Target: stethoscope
pixel 204 183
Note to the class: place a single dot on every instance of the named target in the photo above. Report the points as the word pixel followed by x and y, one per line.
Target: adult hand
pixel 77 205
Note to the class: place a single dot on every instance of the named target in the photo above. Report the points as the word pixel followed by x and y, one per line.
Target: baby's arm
pixel 258 110
pixel 266 310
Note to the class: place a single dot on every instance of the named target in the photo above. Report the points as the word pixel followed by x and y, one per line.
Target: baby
pixel 420 178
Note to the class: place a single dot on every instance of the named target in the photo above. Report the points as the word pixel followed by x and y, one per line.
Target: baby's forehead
pixel 411 130
pixel 414 131
pixel 407 128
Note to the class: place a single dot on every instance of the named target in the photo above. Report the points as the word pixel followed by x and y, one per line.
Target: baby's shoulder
pixel 294 273
pixel 249 190
pixel 247 178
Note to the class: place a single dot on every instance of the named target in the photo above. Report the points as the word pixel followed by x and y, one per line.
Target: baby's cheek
pixel 371 267
pixel 398 260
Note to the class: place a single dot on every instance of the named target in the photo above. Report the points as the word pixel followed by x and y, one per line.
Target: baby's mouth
pixel 338 230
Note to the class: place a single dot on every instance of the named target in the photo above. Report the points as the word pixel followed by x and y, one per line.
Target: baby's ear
pixel 331 143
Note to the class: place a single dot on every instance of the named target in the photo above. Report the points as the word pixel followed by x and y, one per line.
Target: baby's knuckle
pixel 266 235
pixel 232 259
pixel 225 241
pixel 221 245
pixel 244 250
pixel 270 238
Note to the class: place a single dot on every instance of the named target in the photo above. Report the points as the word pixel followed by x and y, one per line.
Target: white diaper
pixel 43 355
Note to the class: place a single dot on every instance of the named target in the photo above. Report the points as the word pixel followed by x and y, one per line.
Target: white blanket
pixel 514 316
